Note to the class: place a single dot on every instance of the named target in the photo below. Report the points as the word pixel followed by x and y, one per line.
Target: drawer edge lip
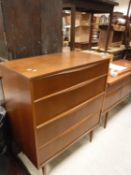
pixel 68 146
pixel 69 130
pixel 70 110
pixel 126 75
pixel 70 88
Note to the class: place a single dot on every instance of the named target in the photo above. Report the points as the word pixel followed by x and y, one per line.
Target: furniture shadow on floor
pixel 118 109
pixel 11 166
pixel 69 152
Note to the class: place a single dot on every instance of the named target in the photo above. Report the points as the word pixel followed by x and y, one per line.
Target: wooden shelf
pixel 91 7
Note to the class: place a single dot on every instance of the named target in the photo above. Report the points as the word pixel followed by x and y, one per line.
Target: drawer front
pixel 56 128
pixel 116 86
pixel 49 108
pixel 57 82
pixel 111 99
pixel 61 143
pixel 127 80
pixel 126 90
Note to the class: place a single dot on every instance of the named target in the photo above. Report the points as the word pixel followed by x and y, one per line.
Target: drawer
pixel 118 84
pixel 65 140
pixel 126 90
pixel 49 108
pixel 127 80
pixel 115 86
pixel 54 129
pixel 60 81
pixel 111 99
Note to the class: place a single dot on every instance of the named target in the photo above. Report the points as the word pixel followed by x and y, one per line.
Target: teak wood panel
pixel 19 108
pixel 126 90
pixel 116 92
pixel 111 99
pixel 53 129
pixel 50 150
pixel 115 86
pixel 49 108
pixel 60 81
pixel 127 79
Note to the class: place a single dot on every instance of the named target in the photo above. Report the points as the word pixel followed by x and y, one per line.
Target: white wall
pixel 123 5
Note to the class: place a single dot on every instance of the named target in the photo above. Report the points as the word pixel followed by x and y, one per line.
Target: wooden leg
pixel 45 170
pixel 106 119
pixel 91 136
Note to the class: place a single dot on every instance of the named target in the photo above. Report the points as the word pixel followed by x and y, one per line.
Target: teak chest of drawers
pixel 53 100
pixel 118 89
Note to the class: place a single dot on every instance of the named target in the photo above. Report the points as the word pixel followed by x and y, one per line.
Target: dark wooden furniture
pixel 118 89
pixel 35 27
pixel 1 92
pixel 30 28
pixel 116 37
pixel 128 27
pixel 95 6
pixel 53 100
pixel 117 54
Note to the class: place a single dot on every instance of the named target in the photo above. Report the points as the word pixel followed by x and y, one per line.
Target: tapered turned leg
pixel 106 119
pixel 45 170
pixel 91 136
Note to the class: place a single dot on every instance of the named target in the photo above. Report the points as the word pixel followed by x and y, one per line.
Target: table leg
pixel 91 136
pixel 45 170
pixel 106 119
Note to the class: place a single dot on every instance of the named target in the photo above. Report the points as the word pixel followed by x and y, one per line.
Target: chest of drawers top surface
pixel 48 64
pixel 113 80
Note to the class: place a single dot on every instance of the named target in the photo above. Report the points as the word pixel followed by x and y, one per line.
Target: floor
pixel 10 166
pixel 108 154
